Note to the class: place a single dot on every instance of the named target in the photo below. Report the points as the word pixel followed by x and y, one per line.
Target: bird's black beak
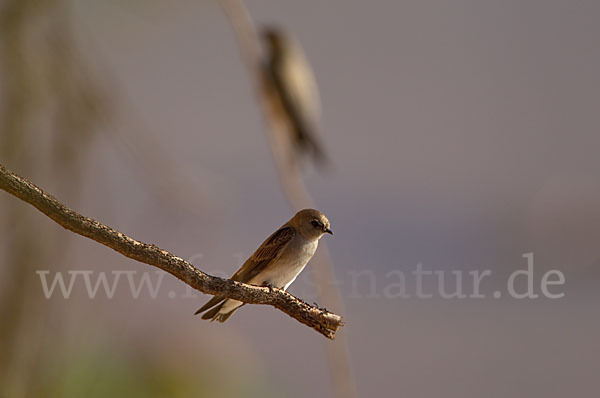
pixel 328 231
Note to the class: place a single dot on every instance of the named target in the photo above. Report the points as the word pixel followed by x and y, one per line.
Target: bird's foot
pixel 270 286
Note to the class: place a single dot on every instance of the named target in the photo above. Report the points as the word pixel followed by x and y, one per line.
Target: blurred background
pixel 463 135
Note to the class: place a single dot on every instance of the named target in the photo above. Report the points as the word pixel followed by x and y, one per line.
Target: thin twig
pixel 322 321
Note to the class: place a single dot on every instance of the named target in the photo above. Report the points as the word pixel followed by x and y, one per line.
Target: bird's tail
pixel 311 144
pixel 215 305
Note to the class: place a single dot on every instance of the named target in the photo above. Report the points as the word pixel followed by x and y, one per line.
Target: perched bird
pixel 294 83
pixel 277 262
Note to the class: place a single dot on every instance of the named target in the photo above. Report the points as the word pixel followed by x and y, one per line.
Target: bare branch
pixel 319 319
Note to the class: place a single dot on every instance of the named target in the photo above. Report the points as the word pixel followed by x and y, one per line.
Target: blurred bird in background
pixel 277 262
pixel 294 83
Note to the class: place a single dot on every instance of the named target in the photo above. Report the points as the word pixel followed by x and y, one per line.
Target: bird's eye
pixel 315 223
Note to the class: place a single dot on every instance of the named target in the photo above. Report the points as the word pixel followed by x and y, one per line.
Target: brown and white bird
pixel 294 83
pixel 277 262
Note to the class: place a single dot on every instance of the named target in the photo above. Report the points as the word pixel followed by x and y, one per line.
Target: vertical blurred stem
pixel 15 86
pixel 37 67
pixel 340 368
pixel 25 247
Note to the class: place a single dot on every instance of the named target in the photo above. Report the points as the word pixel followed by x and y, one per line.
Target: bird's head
pixel 312 224
pixel 274 38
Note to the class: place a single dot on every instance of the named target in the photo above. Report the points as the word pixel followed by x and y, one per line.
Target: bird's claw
pixel 270 286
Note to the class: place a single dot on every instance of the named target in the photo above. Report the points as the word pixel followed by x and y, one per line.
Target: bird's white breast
pixel 284 271
pixel 301 83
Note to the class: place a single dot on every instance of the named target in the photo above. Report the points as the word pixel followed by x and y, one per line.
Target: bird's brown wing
pixel 265 254
pixel 262 257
